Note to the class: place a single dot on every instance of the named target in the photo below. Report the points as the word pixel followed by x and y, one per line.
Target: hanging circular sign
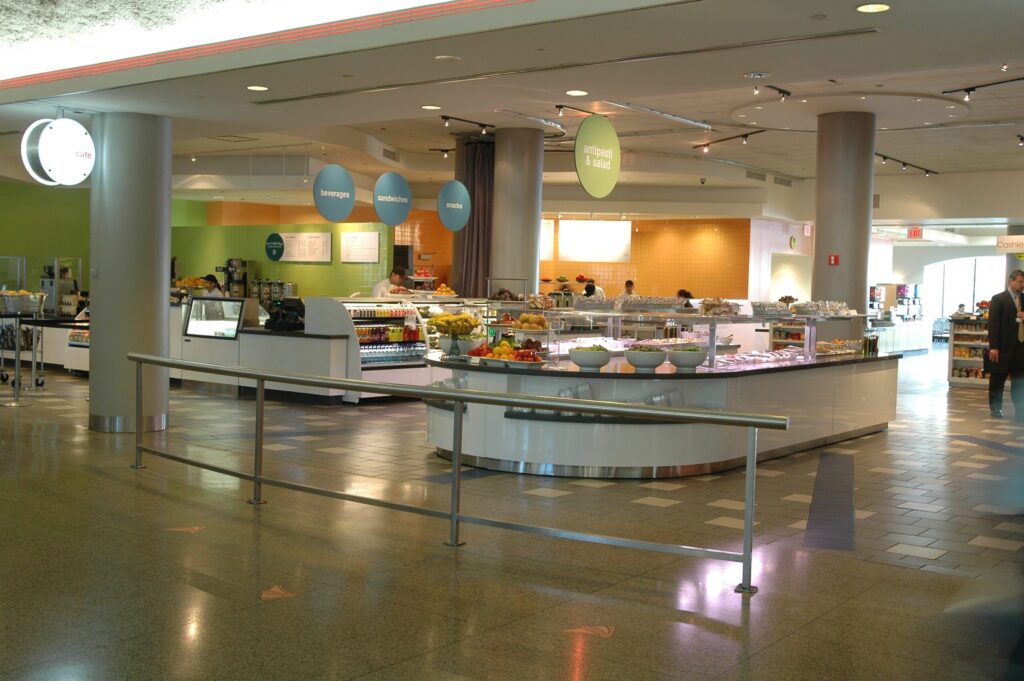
pixel 392 199
pixel 58 152
pixel 274 247
pixel 453 205
pixel 597 156
pixel 334 193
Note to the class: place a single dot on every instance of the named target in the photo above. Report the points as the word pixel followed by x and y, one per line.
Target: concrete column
pixel 1012 261
pixel 459 237
pixel 518 181
pixel 130 260
pixel 843 203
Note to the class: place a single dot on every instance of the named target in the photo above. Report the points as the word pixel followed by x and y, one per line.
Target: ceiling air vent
pixel 760 177
pixel 4 133
pixel 782 181
pixel 391 154
pixel 876 200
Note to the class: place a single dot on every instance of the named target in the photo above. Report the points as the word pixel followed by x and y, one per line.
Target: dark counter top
pixel 619 368
pixel 294 334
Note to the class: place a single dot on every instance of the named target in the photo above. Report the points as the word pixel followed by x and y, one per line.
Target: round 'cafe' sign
pixel 334 193
pixel 597 156
pixel 274 247
pixel 453 205
pixel 392 199
pixel 58 152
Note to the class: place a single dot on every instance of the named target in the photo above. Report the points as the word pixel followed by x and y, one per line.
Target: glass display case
pixel 389 332
pixel 220 318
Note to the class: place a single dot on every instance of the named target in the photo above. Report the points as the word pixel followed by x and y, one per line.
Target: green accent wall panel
pixel 200 250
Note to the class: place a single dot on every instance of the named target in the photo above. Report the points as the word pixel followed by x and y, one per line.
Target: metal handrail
pixel 460 397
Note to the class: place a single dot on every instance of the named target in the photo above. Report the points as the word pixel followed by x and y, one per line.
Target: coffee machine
pixel 235 278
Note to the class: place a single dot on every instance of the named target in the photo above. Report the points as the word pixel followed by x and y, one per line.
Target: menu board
pixel 306 247
pixel 360 247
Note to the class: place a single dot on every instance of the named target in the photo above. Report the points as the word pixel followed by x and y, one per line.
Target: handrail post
pixel 745 587
pixel 139 426
pixel 257 459
pixel 456 504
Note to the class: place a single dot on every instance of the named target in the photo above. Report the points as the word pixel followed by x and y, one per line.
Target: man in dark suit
pixel 1006 347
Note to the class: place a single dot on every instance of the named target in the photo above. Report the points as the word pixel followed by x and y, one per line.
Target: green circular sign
pixel 274 246
pixel 597 156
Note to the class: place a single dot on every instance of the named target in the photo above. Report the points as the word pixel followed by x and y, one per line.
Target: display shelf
pixel 967 334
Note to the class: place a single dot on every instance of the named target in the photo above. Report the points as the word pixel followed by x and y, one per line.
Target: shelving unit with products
pixel 783 334
pixel 968 343
pixel 388 333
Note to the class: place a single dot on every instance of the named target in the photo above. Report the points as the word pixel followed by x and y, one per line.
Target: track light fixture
pixel 1020 140
pixel 193 159
pixel 928 172
pixel 783 93
pixel 444 152
pixel 561 110
pixel 757 89
pixel 706 146
pixel 1004 68
pixel 483 126
pixel 969 89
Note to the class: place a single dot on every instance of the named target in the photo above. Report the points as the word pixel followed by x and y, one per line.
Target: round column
pixel 518 181
pixel 129 253
pixel 843 203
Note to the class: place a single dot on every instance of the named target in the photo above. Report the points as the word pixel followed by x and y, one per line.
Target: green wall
pixel 43 222
pixel 201 249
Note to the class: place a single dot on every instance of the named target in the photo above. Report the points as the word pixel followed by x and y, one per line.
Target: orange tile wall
pixel 707 257
pixel 424 232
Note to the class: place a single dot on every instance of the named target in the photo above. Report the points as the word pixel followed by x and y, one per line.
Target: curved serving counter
pixel 827 400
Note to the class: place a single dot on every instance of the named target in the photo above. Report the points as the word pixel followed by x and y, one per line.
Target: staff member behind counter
pixel 396 280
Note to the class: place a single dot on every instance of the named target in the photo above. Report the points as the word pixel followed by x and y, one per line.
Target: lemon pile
pixel 445 290
pixel 503 350
pixel 454 324
pixel 531 322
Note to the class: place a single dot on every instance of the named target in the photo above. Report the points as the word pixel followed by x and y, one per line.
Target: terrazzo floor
pixel 166 573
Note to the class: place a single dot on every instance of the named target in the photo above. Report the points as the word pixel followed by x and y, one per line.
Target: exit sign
pixel 833 259
pixel 915 233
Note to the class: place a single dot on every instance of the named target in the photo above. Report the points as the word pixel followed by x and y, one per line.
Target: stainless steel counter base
pixel 647 472
pixel 125 424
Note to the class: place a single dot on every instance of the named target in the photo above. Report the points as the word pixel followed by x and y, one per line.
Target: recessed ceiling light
pixel 447 57
pixel 873 7
pixel 216 197
pixel 577 93
pixel 952 115
pixel 916 99
pixel 753 122
pixel 883 128
pixel 862 98
pixel 758 107
pixel 430 107
pixel 803 101
pixel 741 115
pixel 951 106
pixel 756 74
pixel 927 122
pixel 257 88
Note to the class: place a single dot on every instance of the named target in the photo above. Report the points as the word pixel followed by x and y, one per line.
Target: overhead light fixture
pixel 915 100
pixel 1004 67
pixel 561 110
pixel 430 107
pixel 756 74
pixel 783 93
pixel 1020 140
pixel 927 173
pixel 741 115
pixel 483 129
pixel 445 119
pixel 969 89
pixel 257 88
pixel 862 98
pixel 885 159
pixel 664 114
pixel 873 7
pixel 483 126
pixel 967 94
pixel 577 93
pixel 444 152
pixel 193 159
pixel 782 98
pixel 446 57
pixel 803 101
pixel 758 107
pixel 951 106
pixel 757 90
pixel 706 146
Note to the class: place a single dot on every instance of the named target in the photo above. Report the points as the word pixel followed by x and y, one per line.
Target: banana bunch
pixel 454 324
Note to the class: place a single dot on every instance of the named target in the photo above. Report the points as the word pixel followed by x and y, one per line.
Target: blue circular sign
pixel 334 193
pixel 453 206
pixel 392 199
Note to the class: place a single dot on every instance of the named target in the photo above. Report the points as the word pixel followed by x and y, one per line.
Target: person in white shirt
pixel 394 280
pixel 213 289
pixel 598 291
pixel 629 290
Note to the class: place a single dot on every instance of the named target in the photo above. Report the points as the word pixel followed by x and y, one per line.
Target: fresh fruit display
pixel 445 290
pixel 505 294
pixel 562 279
pixel 546 280
pixel 455 324
pixel 531 344
pixel 581 278
pixel 539 302
pixel 507 351
pixel 422 272
pixel 531 322
pixel 190 282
